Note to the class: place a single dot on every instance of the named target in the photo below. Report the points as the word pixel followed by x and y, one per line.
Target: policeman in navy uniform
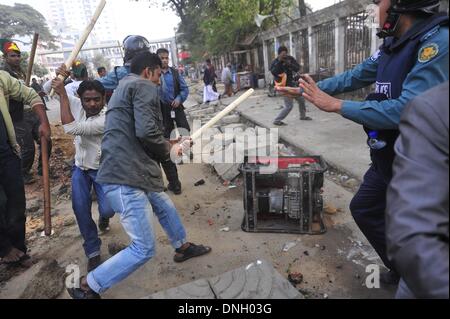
pixel 412 59
pixel 132 45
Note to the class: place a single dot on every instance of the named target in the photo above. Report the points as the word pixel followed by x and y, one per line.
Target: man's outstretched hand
pixel 320 99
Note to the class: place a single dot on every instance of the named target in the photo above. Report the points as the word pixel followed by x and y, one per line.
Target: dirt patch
pixel 60 166
pixel 7 272
pixel 48 283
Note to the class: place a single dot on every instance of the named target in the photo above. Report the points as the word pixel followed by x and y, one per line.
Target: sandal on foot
pixel 78 293
pixel 24 261
pixel 191 252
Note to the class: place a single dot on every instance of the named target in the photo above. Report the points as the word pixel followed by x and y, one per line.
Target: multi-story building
pixel 70 17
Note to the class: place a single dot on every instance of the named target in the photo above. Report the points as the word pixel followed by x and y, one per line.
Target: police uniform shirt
pixel 430 68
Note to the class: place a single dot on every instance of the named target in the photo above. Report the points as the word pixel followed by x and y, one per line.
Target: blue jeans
pixel 82 183
pixel 135 207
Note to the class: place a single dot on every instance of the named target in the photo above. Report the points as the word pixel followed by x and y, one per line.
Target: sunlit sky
pixel 138 17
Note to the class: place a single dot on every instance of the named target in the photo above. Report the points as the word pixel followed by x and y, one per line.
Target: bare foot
pixel 14 256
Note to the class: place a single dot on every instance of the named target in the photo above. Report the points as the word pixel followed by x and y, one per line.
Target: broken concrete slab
pixel 261 130
pixel 208 135
pixel 232 154
pixel 223 140
pixel 253 145
pixel 231 119
pixel 196 113
pixel 234 128
pixel 228 172
pixel 259 280
pixel 199 289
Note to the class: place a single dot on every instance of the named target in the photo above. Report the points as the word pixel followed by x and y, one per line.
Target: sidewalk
pixel 339 141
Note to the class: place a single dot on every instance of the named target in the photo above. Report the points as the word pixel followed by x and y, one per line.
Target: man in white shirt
pixel 84 118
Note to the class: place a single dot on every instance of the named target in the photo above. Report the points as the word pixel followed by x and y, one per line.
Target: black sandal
pixel 78 293
pixel 18 263
pixel 191 252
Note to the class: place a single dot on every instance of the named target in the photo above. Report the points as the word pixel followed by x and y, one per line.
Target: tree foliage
pixel 22 20
pixel 38 70
pixel 211 27
pixel 100 61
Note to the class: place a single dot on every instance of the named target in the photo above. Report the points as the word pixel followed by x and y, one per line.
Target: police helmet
pixel 399 7
pixel 134 44
pixel 426 6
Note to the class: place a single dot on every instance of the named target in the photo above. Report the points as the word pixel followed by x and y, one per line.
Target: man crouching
pixel 133 147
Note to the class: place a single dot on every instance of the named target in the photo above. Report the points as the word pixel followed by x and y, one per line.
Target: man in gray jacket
pixel 131 177
pixel 418 198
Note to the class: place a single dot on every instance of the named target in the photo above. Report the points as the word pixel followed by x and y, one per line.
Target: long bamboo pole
pixel 32 57
pixel 46 182
pixel 230 108
pixel 83 38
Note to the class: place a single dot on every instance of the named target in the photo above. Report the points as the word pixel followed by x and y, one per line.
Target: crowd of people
pixel 402 206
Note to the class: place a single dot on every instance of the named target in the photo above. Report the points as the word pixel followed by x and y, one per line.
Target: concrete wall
pixel 338 14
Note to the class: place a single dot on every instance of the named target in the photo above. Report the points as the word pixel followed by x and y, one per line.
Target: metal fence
pixel 325 40
pixel 301 49
pixel 270 52
pixel 357 39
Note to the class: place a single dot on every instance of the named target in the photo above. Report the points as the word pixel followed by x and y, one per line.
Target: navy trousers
pixel 12 205
pixel 368 208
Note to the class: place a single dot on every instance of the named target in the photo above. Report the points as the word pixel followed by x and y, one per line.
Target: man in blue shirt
pixel 174 92
pixel 412 59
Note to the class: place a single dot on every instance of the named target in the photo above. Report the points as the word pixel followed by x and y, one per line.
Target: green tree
pixel 211 27
pixel 38 70
pixel 22 20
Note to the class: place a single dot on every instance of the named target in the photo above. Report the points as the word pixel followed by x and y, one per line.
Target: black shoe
pixel 390 278
pixel 78 293
pixel 306 118
pixel 176 189
pixel 93 263
pixel 103 224
pixel 279 123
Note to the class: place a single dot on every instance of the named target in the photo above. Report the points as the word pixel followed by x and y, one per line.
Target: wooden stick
pixel 46 184
pixel 83 38
pixel 230 108
pixel 31 61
